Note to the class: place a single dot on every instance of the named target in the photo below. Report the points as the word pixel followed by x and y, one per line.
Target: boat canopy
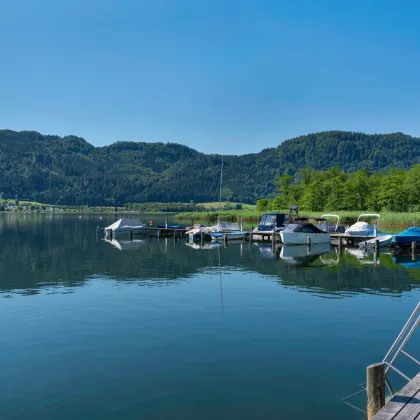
pixel 378 217
pixel 411 234
pixel 302 227
pixel 124 224
pixel 226 226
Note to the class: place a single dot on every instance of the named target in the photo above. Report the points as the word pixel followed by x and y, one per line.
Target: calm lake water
pixel 158 329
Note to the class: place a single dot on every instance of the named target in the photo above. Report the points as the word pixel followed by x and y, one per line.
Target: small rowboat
pixel 384 240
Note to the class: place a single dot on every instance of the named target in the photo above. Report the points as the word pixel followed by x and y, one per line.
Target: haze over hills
pixel 69 170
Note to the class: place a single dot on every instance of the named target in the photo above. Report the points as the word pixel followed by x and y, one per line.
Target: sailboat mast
pixel 220 192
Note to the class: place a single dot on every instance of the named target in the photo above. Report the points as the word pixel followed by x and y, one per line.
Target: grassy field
pixel 249 215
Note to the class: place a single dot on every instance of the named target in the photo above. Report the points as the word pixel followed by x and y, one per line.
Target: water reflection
pixel 63 251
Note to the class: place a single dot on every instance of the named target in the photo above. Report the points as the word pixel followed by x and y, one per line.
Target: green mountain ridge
pixel 68 170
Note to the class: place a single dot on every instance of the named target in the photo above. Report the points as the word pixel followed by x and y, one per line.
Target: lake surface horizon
pixel 154 329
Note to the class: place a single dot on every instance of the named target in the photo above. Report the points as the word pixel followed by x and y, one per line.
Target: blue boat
pixel 410 235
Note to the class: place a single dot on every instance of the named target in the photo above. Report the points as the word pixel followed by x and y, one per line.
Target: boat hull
pixel 219 236
pixel 302 238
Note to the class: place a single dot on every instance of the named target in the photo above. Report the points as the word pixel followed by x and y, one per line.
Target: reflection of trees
pixel 65 252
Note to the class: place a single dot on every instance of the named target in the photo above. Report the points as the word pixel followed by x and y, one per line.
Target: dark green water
pixel 159 330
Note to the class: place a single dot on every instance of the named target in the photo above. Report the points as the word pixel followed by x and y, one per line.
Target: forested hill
pixel 69 170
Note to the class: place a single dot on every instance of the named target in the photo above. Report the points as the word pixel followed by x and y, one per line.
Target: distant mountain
pixel 69 170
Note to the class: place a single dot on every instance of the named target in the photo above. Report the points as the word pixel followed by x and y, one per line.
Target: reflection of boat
pixel 266 250
pixel 126 245
pixel 195 245
pixel 384 240
pixel 301 233
pixel 327 260
pixel 406 261
pixel 410 235
pixel 363 228
pixel 302 253
pixel 363 256
pixel 125 226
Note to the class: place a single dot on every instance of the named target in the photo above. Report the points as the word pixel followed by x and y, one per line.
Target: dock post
pixel 375 387
pixel 413 251
pixel 340 241
pixel 130 235
pixel 309 241
pixel 158 234
pixel 202 238
pixel 225 239
pixel 241 225
pixel 110 234
pixel 166 222
pixel 377 246
pixel 174 234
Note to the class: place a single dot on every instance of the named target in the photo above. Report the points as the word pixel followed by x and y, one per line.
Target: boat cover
pixel 412 234
pixel 125 224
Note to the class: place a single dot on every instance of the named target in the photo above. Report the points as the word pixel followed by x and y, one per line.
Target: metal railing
pixel 401 341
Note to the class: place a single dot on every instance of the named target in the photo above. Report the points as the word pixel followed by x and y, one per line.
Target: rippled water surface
pixel 158 329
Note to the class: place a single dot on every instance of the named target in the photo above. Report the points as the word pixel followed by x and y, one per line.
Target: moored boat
pixel 384 241
pixel 271 222
pixel 124 226
pixel 361 228
pixel 407 237
pixel 302 232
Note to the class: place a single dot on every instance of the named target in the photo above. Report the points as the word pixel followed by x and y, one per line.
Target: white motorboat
pixel 361 228
pixel 384 240
pixel 302 232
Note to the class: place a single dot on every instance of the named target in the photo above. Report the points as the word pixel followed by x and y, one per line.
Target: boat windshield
pixel 268 220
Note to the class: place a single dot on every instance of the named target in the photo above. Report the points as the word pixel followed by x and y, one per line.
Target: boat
pixel 361 228
pixel 271 222
pixel 302 232
pixel 125 226
pixel 331 227
pixel 384 240
pixel 217 231
pixel 406 238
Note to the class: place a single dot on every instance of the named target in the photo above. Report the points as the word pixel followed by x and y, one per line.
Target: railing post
pixel 375 387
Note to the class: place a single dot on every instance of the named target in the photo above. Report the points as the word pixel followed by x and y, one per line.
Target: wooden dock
pixel 404 405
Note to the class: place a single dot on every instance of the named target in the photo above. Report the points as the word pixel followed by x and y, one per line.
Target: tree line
pixel 395 190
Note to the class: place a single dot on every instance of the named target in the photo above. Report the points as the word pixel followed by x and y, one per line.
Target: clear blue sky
pixel 220 76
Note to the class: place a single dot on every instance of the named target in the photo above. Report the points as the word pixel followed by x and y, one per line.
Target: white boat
pixel 361 228
pixel 230 235
pixel 303 233
pixel 384 240
pixel 125 226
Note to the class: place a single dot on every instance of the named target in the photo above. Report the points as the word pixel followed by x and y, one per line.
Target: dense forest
pixel 394 190
pixel 70 171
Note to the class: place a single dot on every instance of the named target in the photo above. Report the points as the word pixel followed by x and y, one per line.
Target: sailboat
pixel 222 230
pixel 218 231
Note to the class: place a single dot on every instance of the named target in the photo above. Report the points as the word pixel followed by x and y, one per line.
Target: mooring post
pixel 225 238
pixel 377 246
pixel 110 234
pixel 413 251
pixel 309 241
pixel 166 222
pixel 130 235
pixel 158 234
pixel 375 387
pixel 174 234
pixel 241 225
pixel 273 239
